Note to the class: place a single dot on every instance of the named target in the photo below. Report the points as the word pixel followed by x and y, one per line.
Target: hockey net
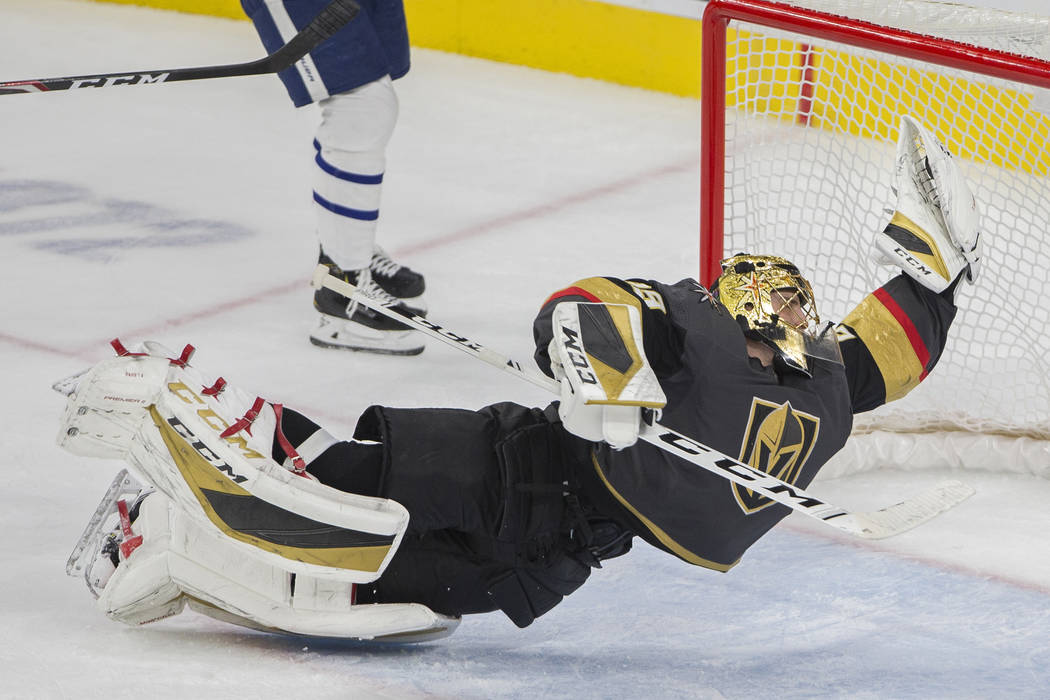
pixel 810 119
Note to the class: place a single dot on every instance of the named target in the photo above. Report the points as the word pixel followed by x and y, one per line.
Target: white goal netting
pixel 811 129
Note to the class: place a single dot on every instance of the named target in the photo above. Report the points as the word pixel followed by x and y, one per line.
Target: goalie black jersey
pixel 774 419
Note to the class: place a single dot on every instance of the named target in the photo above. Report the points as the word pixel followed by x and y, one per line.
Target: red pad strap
pixel 298 463
pixel 131 540
pixel 184 358
pixel 181 361
pixel 123 351
pixel 245 422
pixel 215 389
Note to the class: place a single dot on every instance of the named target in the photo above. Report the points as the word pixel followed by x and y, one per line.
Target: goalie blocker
pixel 228 530
pixel 606 381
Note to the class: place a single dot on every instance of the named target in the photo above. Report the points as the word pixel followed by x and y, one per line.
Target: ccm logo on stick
pixel 133 79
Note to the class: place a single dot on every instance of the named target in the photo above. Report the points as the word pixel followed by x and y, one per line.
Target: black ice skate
pixel 398 281
pixel 347 325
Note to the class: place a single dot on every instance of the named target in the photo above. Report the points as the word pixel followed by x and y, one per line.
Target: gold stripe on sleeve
pixel 888 344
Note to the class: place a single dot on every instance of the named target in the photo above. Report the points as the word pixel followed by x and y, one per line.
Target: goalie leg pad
pixel 181 561
pixel 597 353
pixel 107 403
pixel 208 447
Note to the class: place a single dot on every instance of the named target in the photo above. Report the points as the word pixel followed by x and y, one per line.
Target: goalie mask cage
pixel 801 104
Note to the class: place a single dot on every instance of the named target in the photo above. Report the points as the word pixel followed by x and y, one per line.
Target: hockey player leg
pixel 934 235
pixel 351 143
pixel 606 381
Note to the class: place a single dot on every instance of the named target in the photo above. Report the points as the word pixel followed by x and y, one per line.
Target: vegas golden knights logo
pixel 778 442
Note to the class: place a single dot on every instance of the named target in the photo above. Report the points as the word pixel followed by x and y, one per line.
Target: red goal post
pixel 799 111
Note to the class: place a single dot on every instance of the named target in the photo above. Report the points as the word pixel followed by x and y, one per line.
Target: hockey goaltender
pixel 252 513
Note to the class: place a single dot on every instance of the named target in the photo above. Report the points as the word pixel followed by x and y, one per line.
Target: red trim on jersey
pixel 917 344
pixel 572 292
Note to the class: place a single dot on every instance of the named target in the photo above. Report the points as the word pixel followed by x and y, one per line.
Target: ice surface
pixel 181 213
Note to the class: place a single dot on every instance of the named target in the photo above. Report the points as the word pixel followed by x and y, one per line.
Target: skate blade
pixel 124 486
pixel 363 348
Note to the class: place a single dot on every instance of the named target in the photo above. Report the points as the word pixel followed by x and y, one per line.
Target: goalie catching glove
pixel 606 381
pixel 934 234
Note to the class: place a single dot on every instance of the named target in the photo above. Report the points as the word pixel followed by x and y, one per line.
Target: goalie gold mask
pixel 774 304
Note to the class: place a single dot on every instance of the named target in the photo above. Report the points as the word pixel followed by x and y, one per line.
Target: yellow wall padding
pixel 580 37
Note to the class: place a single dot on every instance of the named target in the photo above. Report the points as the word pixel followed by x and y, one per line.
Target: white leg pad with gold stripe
pixel 182 561
pixel 156 415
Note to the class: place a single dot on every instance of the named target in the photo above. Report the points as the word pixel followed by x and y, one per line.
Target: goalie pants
pixel 495 523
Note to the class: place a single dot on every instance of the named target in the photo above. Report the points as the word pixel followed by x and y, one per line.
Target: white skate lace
pixel 367 286
pixel 382 264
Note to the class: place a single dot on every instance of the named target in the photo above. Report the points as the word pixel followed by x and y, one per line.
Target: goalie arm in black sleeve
pixel 893 339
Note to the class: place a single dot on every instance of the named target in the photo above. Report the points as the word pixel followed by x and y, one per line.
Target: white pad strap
pixel 597 353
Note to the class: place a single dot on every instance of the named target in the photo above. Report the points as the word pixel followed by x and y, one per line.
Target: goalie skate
pixel 90 558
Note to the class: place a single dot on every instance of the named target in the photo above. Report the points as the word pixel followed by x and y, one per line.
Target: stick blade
pixel 895 519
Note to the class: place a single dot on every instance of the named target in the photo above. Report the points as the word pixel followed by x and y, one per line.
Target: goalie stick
pixel 879 524
pixel 327 22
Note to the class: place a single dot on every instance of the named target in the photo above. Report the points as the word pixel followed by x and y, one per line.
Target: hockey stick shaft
pixel 874 525
pixel 327 22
